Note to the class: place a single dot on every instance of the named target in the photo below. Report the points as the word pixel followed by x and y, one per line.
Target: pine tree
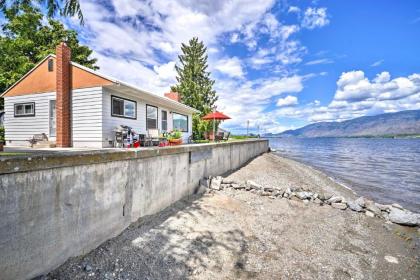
pixel 194 83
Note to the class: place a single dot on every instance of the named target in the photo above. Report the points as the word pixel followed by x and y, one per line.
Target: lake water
pixel 384 170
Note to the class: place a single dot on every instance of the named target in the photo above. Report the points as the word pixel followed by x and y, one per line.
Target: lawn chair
pixel 153 137
pixel 219 136
pixel 226 136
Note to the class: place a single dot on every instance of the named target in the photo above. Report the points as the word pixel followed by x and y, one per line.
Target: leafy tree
pixel 65 8
pixel 194 84
pixel 27 39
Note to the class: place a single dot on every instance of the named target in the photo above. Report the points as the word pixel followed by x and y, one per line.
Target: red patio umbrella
pixel 215 115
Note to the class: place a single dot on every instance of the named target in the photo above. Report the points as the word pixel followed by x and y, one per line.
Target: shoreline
pixel 240 233
pixel 347 183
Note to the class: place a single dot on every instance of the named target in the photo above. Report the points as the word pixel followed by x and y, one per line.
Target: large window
pixel 164 120
pixel 25 109
pixel 180 122
pixel 123 108
pixel 151 117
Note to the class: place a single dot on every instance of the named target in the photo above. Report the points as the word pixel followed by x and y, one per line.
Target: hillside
pixel 400 123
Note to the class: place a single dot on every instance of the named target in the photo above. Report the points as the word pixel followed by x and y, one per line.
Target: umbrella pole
pixel 214 129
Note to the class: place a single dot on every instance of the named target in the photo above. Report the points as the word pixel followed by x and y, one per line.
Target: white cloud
pixel 230 66
pixel 377 63
pixel 293 9
pixel 315 17
pixel 357 96
pixel 319 61
pixel 287 101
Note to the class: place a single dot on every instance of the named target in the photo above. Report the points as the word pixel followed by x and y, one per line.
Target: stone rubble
pixel 394 213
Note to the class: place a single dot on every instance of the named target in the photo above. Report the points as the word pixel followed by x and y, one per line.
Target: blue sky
pixel 278 64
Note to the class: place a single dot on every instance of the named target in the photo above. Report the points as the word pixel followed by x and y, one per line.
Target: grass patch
pixel 10 154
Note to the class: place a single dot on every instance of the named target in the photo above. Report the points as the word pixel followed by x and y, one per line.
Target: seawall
pixel 56 206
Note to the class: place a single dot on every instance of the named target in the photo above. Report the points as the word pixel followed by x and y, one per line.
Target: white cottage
pixel 78 107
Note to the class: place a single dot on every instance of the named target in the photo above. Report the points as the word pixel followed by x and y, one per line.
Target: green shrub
pixel 2 140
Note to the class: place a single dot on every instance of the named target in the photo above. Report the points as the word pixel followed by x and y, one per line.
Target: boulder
pixel 229 181
pixel 369 214
pixel 268 189
pixel 355 206
pixel 334 199
pixel 370 205
pixel 325 196
pixel 339 205
pixel 304 195
pixel 317 201
pixel 361 201
pixel 383 207
pixel 263 193
pixel 295 189
pixel 404 217
pixel 254 185
pixel 224 186
pixel 216 183
pixel 238 186
pixel 396 205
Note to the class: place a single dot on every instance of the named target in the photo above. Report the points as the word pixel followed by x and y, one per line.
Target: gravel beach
pixel 238 234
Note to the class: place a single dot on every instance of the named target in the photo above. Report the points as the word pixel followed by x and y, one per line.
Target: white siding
pixel 139 124
pixel 87 117
pixel 19 129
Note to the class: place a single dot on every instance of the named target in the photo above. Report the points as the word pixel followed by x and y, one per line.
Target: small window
pixel 25 109
pixel 151 117
pixel 164 120
pixel 50 65
pixel 123 108
pixel 180 122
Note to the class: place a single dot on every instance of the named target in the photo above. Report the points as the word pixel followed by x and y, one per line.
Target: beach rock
pixel 396 205
pixel 404 217
pixel 383 207
pixel 268 189
pixel 238 186
pixel 325 196
pixel 370 205
pixel 224 186
pixel 277 193
pixel 304 195
pixel 354 206
pixel 339 205
pixel 295 189
pixel 285 195
pixel 317 201
pixel 369 214
pixel 229 181
pixel 334 199
pixel 315 195
pixel 254 185
pixel 216 183
pixel 361 201
pixel 391 259
pixel 263 193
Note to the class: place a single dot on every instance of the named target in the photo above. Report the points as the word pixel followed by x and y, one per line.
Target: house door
pixel 52 118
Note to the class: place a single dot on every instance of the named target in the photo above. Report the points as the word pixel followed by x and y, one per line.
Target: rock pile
pixel 394 213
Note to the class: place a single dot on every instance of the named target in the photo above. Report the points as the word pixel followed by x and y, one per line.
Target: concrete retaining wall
pixel 53 207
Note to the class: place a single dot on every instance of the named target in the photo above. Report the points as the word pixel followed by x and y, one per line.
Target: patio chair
pixel 226 136
pixel 153 136
pixel 219 136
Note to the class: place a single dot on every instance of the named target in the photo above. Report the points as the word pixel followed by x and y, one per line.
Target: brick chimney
pixel 173 95
pixel 63 96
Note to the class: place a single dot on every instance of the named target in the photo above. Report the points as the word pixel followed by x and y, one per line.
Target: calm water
pixel 385 170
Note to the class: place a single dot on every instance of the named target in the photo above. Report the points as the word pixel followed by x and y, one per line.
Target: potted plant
pixel 175 137
pixel 1 138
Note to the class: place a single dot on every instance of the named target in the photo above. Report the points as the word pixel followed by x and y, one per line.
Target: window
pixel 25 109
pixel 50 65
pixel 180 122
pixel 151 117
pixel 123 108
pixel 164 120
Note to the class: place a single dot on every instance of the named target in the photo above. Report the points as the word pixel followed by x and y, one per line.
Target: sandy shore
pixel 235 234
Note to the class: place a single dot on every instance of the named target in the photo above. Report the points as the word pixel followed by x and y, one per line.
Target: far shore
pixel 234 233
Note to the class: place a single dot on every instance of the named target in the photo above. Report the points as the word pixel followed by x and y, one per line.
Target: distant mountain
pixel 400 123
